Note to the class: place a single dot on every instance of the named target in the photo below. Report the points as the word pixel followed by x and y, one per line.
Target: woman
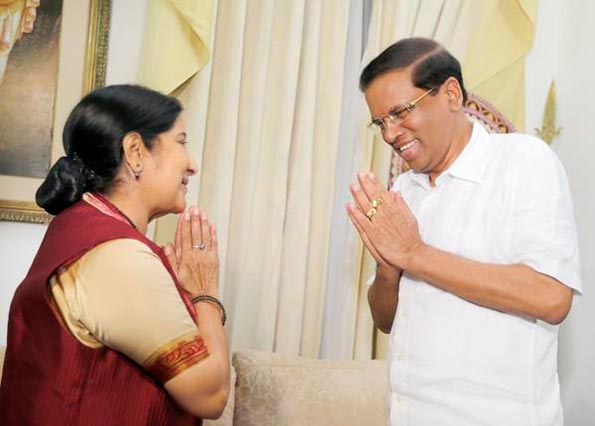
pixel 108 328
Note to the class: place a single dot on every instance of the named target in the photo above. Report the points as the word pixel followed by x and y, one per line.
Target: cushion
pixel 274 390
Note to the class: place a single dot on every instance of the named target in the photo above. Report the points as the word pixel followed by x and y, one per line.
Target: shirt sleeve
pixel 121 295
pixel 543 229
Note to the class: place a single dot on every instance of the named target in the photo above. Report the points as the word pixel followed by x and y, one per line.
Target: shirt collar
pixel 470 164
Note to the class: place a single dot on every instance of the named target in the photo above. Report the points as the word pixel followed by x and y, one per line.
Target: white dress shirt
pixel 505 200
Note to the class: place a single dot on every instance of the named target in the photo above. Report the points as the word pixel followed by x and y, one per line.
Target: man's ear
pixel 134 152
pixel 454 92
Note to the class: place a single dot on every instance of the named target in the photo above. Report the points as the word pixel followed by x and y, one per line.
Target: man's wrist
pixel 387 274
pixel 387 270
pixel 417 256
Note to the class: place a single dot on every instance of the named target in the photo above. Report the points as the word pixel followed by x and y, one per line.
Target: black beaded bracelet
pixel 213 300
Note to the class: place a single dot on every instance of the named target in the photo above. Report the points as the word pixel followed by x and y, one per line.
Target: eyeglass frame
pixel 393 113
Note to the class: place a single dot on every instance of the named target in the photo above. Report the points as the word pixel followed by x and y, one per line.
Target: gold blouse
pixel 120 295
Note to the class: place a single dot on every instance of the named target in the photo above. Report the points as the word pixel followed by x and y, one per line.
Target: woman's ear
pixel 134 151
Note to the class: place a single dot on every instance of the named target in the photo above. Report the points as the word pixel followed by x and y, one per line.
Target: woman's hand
pixel 194 255
pixel 391 232
pixel 202 389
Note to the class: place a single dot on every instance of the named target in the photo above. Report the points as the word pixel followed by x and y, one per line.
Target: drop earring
pixel 137 172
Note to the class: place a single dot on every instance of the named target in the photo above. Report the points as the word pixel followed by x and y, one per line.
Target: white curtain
pixel 265 116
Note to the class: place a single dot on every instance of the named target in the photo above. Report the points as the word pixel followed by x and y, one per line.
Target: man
pixel 476 250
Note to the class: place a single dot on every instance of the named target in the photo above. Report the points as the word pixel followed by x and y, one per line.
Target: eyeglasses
pixel 396 113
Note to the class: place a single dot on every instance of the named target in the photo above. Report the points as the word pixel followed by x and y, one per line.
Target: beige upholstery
pixel 274 390
pixel 278 390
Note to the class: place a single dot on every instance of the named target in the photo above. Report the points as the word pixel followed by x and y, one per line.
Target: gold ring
pixel 377 202
pixel 370 213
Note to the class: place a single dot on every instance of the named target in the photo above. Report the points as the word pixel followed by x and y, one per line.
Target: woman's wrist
pixel 213 301
pixel 193 294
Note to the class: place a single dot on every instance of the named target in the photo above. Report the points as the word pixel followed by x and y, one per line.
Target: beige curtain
pixel 265 118
pixel 175 42
pixel 494 63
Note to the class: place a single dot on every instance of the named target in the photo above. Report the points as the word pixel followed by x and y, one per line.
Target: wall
pixel 563 51
pixel 19 241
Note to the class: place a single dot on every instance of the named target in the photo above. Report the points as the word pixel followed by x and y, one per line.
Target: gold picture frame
pixel 82 60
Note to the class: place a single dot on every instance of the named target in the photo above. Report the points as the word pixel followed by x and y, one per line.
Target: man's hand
pixel 389 231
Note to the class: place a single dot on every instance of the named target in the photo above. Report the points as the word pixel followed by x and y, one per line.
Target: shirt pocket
pixel 479 243
pixel 483 243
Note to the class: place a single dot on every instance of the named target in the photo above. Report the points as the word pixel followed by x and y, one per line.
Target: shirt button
pixel 404 314
pixel 400 357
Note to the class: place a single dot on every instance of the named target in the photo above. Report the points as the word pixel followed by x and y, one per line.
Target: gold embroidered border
pixel 176 356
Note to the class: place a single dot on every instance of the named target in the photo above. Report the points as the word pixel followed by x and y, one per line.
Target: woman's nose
pixel 192 167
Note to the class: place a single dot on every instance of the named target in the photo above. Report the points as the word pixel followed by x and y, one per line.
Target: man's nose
pixel 392 130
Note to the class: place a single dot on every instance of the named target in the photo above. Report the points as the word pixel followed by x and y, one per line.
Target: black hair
pixel 431 64
pixel 92 140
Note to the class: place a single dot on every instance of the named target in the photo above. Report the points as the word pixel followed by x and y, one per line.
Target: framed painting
pixel 51 53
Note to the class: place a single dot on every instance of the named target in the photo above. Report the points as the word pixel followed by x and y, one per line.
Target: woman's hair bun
pixel 63 186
